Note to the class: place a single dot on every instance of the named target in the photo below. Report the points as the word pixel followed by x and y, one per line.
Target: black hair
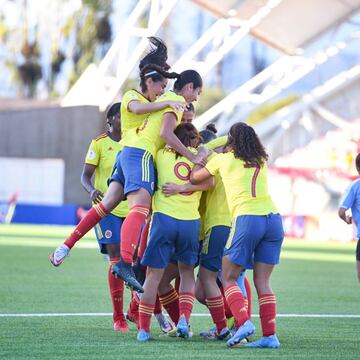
pixel 244 142
pixel 186 77
pixel 186 132
pixel 190 107
pixel 209 133
pixel 357 162
pixel 157 54
pixel 156 73
pixel 113 110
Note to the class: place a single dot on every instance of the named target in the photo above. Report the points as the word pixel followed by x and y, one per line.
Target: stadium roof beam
pixel 99 85
pixel 223 39
pixel 275 78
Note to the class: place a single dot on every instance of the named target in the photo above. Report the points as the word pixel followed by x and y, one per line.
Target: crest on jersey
pixel 133 96
pixel 91 154
pixel 108 234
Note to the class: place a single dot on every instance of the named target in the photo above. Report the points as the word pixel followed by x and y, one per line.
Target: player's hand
pixel 171 189
pixel 348 219
pixel 96 196
pixel 177 105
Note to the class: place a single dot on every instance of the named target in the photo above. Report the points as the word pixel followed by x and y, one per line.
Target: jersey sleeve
pixel 214 164
pixel 213 144
pixel 128 97
pixel 93 154
pixel 348 198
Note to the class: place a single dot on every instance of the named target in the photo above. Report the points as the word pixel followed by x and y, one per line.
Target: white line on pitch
pixel 349 316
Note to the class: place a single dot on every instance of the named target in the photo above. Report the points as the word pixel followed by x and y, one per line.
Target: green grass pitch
pixel 311 279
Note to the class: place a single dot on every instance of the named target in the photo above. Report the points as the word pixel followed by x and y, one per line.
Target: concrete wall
pixel 53 132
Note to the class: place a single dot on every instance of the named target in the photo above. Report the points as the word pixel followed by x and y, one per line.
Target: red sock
pixel 235 300
pixel 267 307
pixel 145 314
pixel 217 312
pixel 144 238
pixel 158 307
pixel 94 215
pixel 133 310
pixel 116 287
pixel 249 296
pixel 130 231
pixel 170 301
pixel 228 313
pixel 186 303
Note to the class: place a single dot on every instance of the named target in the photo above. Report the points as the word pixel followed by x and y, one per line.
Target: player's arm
pixel 199 174
pixel 86 176
pixel 138 108
pixel 172 189
pixel 167 134
pixel 342 215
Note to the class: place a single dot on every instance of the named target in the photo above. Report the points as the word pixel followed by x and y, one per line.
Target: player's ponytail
pixel 246 145
pixel 156 73
pixel 157 54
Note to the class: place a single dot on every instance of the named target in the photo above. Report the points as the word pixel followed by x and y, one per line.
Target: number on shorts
pixel 185 177
pixel 254 178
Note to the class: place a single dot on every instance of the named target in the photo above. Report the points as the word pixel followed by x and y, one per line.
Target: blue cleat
pixel 208 333
pixel 270 342
pixel 247 329
pixel 183 328
pixel 143 335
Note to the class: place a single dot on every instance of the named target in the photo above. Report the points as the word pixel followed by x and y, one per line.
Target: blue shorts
pixel 108 231
pixel 255 238
pixel 213 247
pixel 171 239
pixel 134 169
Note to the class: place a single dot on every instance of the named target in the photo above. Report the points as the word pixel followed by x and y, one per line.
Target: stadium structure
pixel 289 124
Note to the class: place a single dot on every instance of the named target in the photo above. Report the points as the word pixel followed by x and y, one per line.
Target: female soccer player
pixel 134 175
pixel 135 108
pixel 257 231
pixel 100 159
pixel 174 232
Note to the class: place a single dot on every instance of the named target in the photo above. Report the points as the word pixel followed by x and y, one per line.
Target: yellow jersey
pixel 245 185
pixel 130 120
pixel 182 206
pixel 102 153
pixel 147 136
pixel 214 209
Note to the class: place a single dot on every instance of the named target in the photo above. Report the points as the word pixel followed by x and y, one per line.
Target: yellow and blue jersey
pixel 245 185
pixel 182 206
pixel 147 135
pixel 102 153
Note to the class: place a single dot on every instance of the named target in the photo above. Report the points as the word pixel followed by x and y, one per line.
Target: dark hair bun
pixel 211 127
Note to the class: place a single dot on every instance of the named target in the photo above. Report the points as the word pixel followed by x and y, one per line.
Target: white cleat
pixel 60 253
pixel 165 325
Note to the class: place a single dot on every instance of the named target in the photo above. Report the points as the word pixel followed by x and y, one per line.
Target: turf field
pixel 311 279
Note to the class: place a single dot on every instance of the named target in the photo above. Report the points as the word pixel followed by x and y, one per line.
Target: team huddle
pixel 168 198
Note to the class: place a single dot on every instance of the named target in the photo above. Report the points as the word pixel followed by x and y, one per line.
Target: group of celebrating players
pixel 177 199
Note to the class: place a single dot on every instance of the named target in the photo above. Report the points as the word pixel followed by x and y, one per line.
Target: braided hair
pixel 245 144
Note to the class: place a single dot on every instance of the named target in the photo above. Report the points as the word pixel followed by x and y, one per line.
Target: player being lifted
pixel 257 232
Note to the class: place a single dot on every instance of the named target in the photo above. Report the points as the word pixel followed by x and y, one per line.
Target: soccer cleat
pixel 139 271
pixel 143 335
pixel 224 334
pixel 208 333
pixel 183 328
pixel 60 253
pixel 270 342
pixel 245 330
pixel 165 325
pixel 121 325
pixel 123 270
